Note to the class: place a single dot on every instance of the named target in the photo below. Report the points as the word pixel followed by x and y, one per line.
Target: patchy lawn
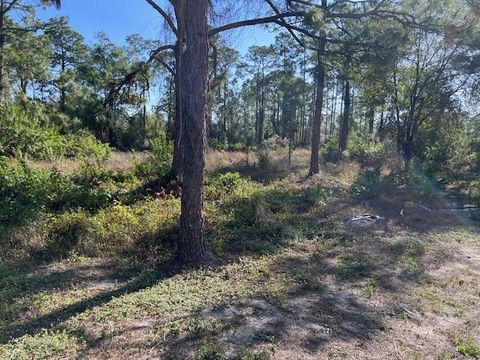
pixel 303 277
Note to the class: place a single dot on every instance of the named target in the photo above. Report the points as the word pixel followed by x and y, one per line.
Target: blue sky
pixel 119 18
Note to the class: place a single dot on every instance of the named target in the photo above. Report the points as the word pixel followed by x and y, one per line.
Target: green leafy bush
pixel 136 229
pixel 22 191
pixel 330 151
pixel 26 192
pixel 365 150
pixel 238 147
pixel 450 148
pixel 264 158
pixel 162 153
pixel 368 184
pixel 315 195
pixel 227 182
pixel 23 135
pixel 160 162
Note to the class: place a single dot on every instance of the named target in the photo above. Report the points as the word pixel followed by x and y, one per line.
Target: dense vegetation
pixel 358 113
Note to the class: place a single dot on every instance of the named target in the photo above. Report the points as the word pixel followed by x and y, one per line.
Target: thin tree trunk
pixel 170 126
pixel 192 17
pixel 371 120
pixel 334 112
pixel 63 91
pixel 326 105
pixel 261 117
pixel 2 52
pixel 345 126
pixel 381 131
pixel 408 151
pixel 320 84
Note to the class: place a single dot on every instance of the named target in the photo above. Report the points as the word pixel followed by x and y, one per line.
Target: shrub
pixel 26 192
pixel 22 192
pixel 23 134
pixel 264 158
pixel 330 151
pixel 160 163
pixel 239 147
pixel 365 150
pixel 275 143
pixel 368 184
pixel 218 185
pixel 450 148
pixel 227 182
pixel 84 144
pixel 117 229
pixel 315 195
pixel 67 234
pixel 19 134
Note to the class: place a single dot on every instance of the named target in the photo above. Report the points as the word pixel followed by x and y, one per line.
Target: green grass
pixel 352 267
pixel 468 348
pixel 44 345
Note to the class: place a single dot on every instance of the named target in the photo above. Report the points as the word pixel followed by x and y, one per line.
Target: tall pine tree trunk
pixel 2 52
pixel 320 84
pixel 192 17
pixel 345 125
pixel 261 116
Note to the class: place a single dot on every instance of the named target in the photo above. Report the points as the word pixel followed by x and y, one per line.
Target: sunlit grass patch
pixel 467 347
pixel 45 345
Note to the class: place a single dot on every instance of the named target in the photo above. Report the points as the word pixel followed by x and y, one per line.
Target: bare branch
pixel 252 22
pixel 165 15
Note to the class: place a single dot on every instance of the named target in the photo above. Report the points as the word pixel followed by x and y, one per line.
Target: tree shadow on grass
pixel 319 306
pixel 267 221
pixel 325 298
pixel 103 279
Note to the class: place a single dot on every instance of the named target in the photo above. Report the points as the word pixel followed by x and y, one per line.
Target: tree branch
pixel 253 22
pixel 164 14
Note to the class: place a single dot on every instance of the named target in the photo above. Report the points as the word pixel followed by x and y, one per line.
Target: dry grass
pixel 216 160
pixel 118 162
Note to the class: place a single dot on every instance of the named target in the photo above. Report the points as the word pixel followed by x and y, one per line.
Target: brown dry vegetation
pixel 117 161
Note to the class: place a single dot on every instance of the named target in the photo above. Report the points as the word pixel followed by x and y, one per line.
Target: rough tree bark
pixel 320 84
pixel 192 18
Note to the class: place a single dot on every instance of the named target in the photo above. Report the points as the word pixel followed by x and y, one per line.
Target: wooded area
pixel 187 155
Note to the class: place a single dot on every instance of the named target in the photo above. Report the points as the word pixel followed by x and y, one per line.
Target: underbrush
pixel 366 150
pixel 28 135
pixel 26 192
pixel 92 211
pixel 452 156
pixel 413 184
pixel 245 216
pixel 98 212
